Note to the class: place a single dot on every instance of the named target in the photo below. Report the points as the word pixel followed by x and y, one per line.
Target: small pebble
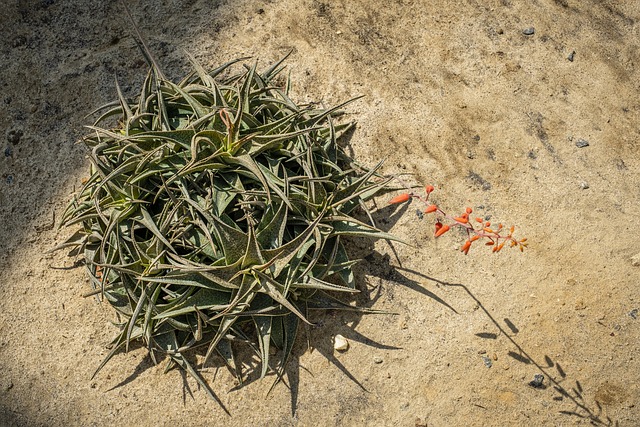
pixel 635 260
pixel 9 179
pixel 584 185
pixel 581 143
pixel 419 214
pixel 487 362
pixel 571 56
pixel 377 360
pixel 340 343
pixel 634 313
pixel 537 381
pixel 8 151
pixel 13 136
pixel 529 31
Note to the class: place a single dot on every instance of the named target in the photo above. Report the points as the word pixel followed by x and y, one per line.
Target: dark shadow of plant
pixel 573 394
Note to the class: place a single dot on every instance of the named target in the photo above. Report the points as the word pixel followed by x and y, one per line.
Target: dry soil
pixel 529 112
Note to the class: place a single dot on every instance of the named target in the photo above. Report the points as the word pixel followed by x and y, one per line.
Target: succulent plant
pixel 215 213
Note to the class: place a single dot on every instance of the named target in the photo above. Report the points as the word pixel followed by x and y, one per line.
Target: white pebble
pixel 340 343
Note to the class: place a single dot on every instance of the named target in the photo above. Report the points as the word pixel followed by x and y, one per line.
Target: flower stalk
pixel 497 238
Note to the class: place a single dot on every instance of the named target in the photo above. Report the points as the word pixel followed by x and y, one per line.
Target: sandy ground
pixel 455 93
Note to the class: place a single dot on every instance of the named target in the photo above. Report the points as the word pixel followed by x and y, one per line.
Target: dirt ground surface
pixel 529 112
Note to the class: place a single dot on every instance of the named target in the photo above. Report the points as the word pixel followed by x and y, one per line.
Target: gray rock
pixel 581 143
pixel 537 381
pixel 13 136
pixel 487 362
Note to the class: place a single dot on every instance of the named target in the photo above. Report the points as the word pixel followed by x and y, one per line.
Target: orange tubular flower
pixel 465 247
pixel 463 219
pixel 441 230
pixel 400 199
pixel 431 208
pixel 429 189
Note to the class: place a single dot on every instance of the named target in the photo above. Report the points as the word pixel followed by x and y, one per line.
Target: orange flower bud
pixel 431 208
pixel 443 229
pixel 480 220
pixel 512 229
pixel 462 219
pixel 400 199
pixel 488 230
pixel 487 224
pixel 429 189
pixel 489 243
pixel 469 210
pixel 474 238
pixel 466 246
